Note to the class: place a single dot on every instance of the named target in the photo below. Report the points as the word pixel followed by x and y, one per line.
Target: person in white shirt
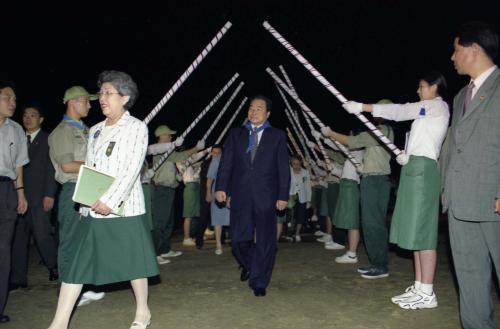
pixel 414 222
pixel 300 191
pixel 113 242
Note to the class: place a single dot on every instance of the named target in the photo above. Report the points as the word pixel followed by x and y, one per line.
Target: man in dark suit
pixel 40 188
pixel 472 176
pixel 254 179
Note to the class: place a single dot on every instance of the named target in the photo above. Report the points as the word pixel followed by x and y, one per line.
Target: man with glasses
pixel 68 148
pixel 13 156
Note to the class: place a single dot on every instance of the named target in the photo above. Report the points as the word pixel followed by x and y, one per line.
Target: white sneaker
pixel 188 242
pixel 418 301
pixel 325 238
pixel 297 238
pixel 332 245
pixel 319 233
pixel 162 261
pixel 218 251
pixel 209 232
pixel 90 296
pixel 171 253
pixel 346 259
pixel 409 292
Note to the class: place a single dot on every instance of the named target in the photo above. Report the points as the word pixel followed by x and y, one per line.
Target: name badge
pixel 110 148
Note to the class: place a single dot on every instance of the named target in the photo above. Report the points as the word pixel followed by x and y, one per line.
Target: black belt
pixel 5 179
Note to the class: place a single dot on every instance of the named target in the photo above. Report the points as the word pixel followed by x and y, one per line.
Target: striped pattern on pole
pixel 224 109
pixel 219 139
pixel 294 143
pixel 340 147
pixel 187 73
pixel 301 138
pixel 200 116
pixel 311 114
pixel 330 87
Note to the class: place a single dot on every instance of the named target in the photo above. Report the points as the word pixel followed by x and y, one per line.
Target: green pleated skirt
pixel 191 197
pixel 322 202
pixel 347 210
pixel 332 194
pixel 414 224
pixel 111 250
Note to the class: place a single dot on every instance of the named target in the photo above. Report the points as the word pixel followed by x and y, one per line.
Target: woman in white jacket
pixel 112 242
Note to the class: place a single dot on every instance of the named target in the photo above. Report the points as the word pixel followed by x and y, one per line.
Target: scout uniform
pixel 414 223
pixel 374 194
pixel 347 209
pixel 165 180
pixel 67 143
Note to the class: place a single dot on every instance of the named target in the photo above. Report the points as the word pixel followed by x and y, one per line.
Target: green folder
pixel 91 185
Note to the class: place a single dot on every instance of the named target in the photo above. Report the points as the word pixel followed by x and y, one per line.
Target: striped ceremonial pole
pixel 329 86
pixel 302 139
pixel 294 143
pixel 200 116
pixel 187 73
pixel 339 146
pixel 224 109
pixel 296 125
pixel 289 148
pixel 219 139
pixel 311 114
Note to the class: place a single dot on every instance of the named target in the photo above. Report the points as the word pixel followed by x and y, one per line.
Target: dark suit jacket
pixel 260 183
pixel 472 176
pixel 39 180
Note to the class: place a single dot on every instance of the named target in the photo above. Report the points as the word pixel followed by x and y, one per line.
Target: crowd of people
pixel 258 189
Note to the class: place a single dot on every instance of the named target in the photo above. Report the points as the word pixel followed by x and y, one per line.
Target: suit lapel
pixel 482 95
pixel 103 142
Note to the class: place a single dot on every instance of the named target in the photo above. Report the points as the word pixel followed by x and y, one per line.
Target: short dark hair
pixel 35 106
pixel 123 84
pixel 436 78
pixel 268 102
pixel 480 33
pixel 296 157
pixel 7 84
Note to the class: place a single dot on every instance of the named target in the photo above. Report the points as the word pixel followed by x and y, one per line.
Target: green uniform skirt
pixel 146 189
pixel 323 202
pixel 191 196
pixel 414 224
pixel 332 194
pixel 347 210
pixel 111 250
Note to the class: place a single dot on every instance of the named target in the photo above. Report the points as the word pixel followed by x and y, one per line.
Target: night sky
pixel 368 49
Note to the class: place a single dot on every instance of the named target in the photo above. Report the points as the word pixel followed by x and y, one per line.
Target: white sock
pixel 351 253
pixel 417 285
pixel 426 288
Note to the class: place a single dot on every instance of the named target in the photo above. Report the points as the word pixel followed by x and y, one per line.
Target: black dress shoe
pixel 245 274
pixel 53 274
pixel 4 318
pixel 259 292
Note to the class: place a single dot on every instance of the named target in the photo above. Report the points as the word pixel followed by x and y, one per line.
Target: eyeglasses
pixel 107 94
pixel 10 97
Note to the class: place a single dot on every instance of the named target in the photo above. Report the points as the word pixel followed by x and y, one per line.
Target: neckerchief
pixel 248 125
pixel 76 123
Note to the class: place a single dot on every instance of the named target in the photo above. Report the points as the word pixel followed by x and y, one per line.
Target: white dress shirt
pixel 349 171
pixel 119 151
pixel 428 130
pixel 33 134
pixel 479 80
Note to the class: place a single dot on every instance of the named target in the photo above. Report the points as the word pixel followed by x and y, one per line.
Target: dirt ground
pixel 202 290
